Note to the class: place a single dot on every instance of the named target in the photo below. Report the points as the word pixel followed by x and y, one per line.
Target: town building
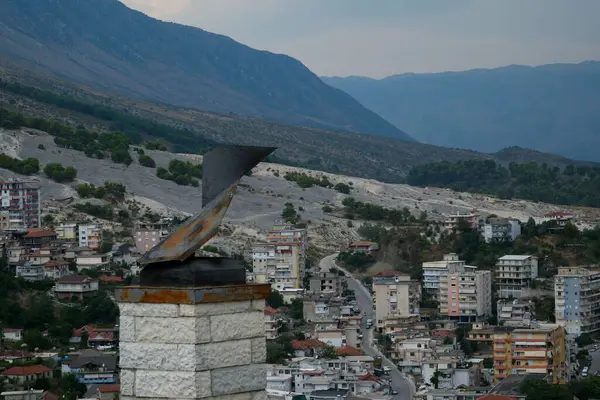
pixel 514 273
pixel 36 238
pixel 280 264
pixel 30 272
pixel 12 334
pixel 577 299
pixel 55 269
pixel 396 296
pixel 496 229
pixel 363 246
pixel 561 218
pixel 148 235
pixel 68 232
pixel 530 350
pixel 273 323
pixel 432 271
pixel 466 294
pixel 92 261
pixel 452 221
pixel 29 373
pixel 93 367
pixel 515 312
pixel 78 286
pixel 20 204
pixel 328 283
pixel 90 236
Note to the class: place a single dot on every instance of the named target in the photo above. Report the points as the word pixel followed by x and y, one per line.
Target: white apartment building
pixel 452 221
pixel 515 313
pixel 515 273
pixel 409 354
pixel 577 299
pixel 434 269
pixel 272 323
pixel 278 264
pixel 20 204
pixel 90 236
pixel 466 294
pixel 396 295
pixel 500 229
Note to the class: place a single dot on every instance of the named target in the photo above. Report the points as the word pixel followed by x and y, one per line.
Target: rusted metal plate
pixel 193 233
pixel 223 167
pixel 217 294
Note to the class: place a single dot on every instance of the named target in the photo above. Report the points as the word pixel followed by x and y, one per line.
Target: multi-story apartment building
pixel 577 299
pixel 515 313
pixel 148 235
pixel 396 295
pixel 515 273
pixel 326 283
pixel 90 236
pixel 434 269
pixel 67 232
pixel 411 353
pixel 278 264
pixel 20 204
pixel 540 350
pixel 466 294
pixel 452 221
pixel 284 233
pixel 500 229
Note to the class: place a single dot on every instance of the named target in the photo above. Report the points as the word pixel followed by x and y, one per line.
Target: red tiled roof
pixel 39 232
pixel 109 388
pixel 73 279
pixel 8 330
pixel 496 397
pixel 26 371
pixel 307 344
pixel 49 396
pixel 349 351
pixel 362 244
pixel 98 335
pixel 270 310
pixel 112 279
pixel 55 263
pixel 15 354
pixel 558 214
pixel 391 272
pixel 369 377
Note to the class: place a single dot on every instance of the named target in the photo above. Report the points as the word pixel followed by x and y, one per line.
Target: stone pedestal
pixel 193 343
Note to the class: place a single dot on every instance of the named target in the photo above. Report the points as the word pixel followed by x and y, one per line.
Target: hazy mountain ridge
pixel 104 44
pixel 552 108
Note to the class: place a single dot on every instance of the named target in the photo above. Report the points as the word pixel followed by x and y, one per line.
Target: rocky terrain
pixel 262 196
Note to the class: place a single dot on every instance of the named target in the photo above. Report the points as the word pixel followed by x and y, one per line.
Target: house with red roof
pixel 56 269
pixel 108 392
pixel 561 218
pixel 29 373
pixel 273 322
pixel 96 337
pixel 75 286
pixel 307 348
pixel 349 351
pixel 38 237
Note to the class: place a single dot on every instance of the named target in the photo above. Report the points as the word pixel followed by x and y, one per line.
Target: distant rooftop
pixel 511 385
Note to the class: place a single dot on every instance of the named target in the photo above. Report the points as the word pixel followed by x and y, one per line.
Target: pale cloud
pixel 383 37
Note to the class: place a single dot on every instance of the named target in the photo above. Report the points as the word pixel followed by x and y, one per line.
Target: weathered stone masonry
pixel 193 343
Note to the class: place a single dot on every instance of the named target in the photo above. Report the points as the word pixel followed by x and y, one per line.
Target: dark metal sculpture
pixel 172 262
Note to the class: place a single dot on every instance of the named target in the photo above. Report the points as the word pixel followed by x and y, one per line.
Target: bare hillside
pixel 262 196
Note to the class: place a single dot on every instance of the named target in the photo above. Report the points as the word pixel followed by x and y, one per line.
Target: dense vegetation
pixel 109 190
pixel 155 145
pixel 104 212
pixel 146 161
pixel 60 173
pixel 574 185
pixel 181 172
pixel 28 166
pixel 582 389
pixel 306 181
pixel 372 212
pixel 135 128
pixel 289 214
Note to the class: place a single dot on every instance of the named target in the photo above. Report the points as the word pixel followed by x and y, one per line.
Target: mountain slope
pixel 551 108
pixel 104 44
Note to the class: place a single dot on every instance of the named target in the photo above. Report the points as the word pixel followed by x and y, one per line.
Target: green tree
pixel 275 299
pixel 328 353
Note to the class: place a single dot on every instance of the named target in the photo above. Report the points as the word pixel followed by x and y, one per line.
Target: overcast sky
pixel 378 38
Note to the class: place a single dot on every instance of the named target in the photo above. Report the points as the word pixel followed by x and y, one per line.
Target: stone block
pixel 127 381
pixel 126 328
pixel 259 350
pixel 259 305
pixel 157 357
pixel 232 380
pixel 237 326
pixel 180 330
pixel 148 310
pixel 208 309
pixel 237 396
pixel 172 384
pixel 260 395
pixel 223 354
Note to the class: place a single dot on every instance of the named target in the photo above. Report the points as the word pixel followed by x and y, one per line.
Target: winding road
pixel 403 385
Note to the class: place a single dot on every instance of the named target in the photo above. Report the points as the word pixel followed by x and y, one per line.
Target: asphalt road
pixel 365 302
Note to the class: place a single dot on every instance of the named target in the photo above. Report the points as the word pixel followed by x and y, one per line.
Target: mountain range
pixel 551 108
pixel 108 46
